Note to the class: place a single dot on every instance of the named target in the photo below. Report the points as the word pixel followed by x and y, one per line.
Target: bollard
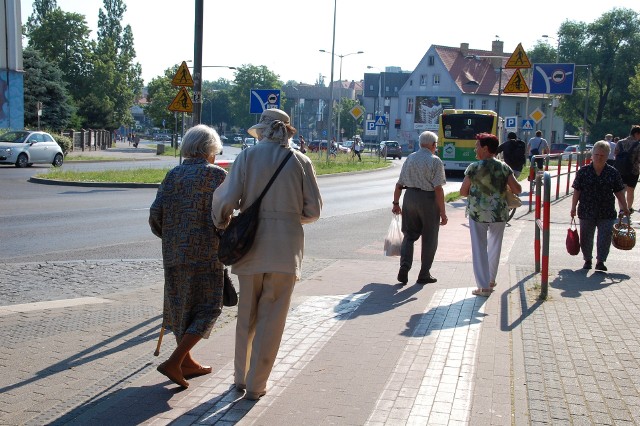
pixel 160 149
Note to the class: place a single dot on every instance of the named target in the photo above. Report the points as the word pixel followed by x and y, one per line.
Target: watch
pixel 395 203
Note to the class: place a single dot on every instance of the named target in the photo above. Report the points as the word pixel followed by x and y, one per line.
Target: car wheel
pixel 22 161
pixel 29 164
pixel 57 160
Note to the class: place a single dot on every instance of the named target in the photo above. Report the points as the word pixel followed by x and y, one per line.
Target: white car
pixel 572 149
pixel 25 148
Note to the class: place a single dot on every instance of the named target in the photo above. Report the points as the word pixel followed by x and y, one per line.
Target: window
pixel 371 87
pixel 432 60
pixel 410 105
pixel 518 108
pixel 436 79
pixel 395 89
pixel 423 80
pixel 484 104
pixel 472 104
pixel 410 82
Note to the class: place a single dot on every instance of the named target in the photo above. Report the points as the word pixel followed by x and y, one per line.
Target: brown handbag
pixel 624 236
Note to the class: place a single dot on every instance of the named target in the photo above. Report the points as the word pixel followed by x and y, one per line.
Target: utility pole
pixel 197 62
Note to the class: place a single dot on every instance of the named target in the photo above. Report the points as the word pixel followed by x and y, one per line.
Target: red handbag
pixel 573 239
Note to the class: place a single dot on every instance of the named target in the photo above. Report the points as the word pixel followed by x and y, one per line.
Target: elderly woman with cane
pixel 180 215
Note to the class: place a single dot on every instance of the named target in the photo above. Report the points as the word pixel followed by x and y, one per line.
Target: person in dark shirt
pixel 513 153
pixel 595 189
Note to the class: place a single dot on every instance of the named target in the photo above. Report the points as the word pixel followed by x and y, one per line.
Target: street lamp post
pixel 340 93
pixel 554 101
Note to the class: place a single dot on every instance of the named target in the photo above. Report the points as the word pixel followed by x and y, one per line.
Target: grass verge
pixel 343 163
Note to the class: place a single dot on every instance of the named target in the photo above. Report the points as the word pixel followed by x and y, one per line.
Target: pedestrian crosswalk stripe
pixel 434 374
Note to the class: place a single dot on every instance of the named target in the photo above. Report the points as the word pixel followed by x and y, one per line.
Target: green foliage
pixel 63 39
pixel 43 83
pixel 249 77
pixel 610 45
pixel 632 103
pixel 347 122
pixel 65 142
pixel 160 95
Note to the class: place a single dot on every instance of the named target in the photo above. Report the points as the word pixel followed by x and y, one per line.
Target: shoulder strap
pixel 273 178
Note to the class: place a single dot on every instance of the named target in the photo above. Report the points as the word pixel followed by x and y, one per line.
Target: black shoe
pixel 600 266
pixel 427 280
pixel 403 276
pixel 587 264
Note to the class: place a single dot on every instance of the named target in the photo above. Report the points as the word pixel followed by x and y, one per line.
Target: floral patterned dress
pixel 181 216
pixel 487 202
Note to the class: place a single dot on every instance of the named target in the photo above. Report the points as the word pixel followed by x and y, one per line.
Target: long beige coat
pixel 293 200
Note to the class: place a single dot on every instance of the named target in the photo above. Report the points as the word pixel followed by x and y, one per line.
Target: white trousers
pixel 486 245
pixel 262 314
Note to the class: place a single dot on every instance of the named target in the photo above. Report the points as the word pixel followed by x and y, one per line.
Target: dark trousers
pixel 603 242
pixel 420 218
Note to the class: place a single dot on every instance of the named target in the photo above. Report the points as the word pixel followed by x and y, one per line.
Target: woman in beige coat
pixel 268 272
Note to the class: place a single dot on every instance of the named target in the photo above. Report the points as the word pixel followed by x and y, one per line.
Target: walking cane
pixel 157 352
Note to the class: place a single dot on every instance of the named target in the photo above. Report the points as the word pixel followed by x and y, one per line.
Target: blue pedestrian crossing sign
pixel 553 79
pixel 527 124
pixel 380 120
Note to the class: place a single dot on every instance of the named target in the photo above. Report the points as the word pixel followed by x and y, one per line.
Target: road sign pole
pixel 197 62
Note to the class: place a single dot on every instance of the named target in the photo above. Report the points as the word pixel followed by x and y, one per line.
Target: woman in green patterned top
pixel 485 185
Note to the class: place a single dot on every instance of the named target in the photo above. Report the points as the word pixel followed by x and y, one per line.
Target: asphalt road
pixel 62 223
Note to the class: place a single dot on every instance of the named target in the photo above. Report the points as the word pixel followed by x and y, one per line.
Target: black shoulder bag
pixel 237 238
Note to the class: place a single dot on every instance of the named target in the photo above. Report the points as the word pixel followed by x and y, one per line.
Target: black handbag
pixel 229 294
pixel 237 238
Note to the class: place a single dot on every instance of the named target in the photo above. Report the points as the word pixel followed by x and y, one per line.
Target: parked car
pixel 390 149
pixel 25 148
pixel 571 149
pixel 558 148
pixel 249 142
pixel 314 146
pixel 237 139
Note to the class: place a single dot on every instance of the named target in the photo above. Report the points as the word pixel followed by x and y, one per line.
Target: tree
pixel 117 77
pixel 633 102
pixel 43 83
pixel 249 77
pixel 160 95
pixel 347 122
pixel 63 39
pixel 610 46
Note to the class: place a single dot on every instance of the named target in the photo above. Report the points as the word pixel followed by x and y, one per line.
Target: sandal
pixel 492 284
pixel 484 292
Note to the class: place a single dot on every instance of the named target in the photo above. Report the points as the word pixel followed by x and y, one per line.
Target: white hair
pixel 427 138
pixel 200 141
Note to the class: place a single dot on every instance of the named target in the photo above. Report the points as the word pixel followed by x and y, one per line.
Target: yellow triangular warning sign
pixel 182 102
pixel 518 59
pixel 516 84
pixel 183 76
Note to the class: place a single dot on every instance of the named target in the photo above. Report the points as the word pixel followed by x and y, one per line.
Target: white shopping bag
pixel 393 240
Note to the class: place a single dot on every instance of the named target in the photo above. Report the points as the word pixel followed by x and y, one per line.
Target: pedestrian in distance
pixel 485 184
pixel 514 153
pixel 303 149
pixel 357 147
pixel 629 166
pixel 180 215
pixel 537 146
pixel 423 211
pixel 608 138
pixel 595 189
pixel 268 272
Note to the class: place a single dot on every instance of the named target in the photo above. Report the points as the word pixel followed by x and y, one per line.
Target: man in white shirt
pixel 536 146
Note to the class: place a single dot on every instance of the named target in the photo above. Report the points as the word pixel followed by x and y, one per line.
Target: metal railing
pixel 557 171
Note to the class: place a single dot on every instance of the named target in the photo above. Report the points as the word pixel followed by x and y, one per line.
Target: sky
pixel 286 35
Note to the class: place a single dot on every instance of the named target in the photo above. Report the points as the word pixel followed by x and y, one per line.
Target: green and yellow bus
pixel 457 132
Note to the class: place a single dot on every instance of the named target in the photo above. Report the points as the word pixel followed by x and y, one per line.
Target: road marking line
pixel 50 304
pixel 309 328
pixel 434 375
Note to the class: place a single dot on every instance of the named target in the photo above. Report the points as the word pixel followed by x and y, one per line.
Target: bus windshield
pixel 466 126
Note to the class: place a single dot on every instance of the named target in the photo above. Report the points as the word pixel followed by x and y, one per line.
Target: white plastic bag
pixel 393 240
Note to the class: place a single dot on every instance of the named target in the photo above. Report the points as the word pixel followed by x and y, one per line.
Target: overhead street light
pixel 340 77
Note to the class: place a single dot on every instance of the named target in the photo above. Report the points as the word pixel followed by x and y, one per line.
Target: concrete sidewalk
pixel 361 349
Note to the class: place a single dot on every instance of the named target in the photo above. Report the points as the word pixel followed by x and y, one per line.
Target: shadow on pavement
pixel 575 283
